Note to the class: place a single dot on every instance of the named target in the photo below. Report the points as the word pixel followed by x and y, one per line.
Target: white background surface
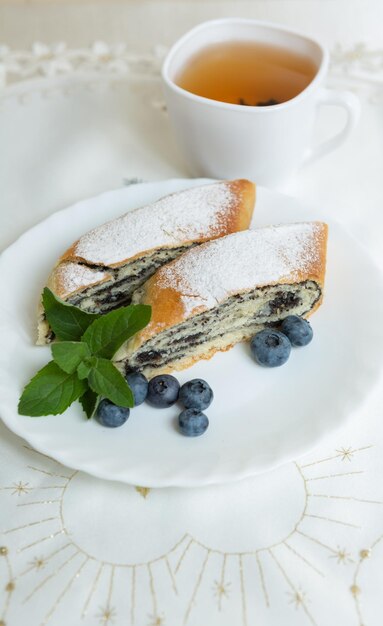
pixel 290 547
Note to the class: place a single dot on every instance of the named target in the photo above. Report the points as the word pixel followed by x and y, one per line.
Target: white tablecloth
pixel 299 545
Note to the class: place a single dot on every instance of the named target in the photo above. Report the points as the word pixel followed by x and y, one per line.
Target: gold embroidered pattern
pixel 355 589
pixel 221 591
pixel 221 588
pixel 102 574
pixel 106 616
pixel 10 586
pixel 143 491
pixel 342 556
pixel 365 554
pixel 39 563
pixel 19 488
pixel 156 620
pixel 297 598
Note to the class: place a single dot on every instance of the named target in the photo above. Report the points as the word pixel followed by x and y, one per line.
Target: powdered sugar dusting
pixel 207 275
pixel 197 213
pixel 69 277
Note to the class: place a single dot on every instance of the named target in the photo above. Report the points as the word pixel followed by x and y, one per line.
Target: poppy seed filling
pixel 238 318
pixel 126 279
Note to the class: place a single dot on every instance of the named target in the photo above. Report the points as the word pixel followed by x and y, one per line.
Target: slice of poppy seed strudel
pixel 225 291
pixel 101 270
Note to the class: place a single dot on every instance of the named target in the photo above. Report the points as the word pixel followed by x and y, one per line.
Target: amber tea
pixel 247 73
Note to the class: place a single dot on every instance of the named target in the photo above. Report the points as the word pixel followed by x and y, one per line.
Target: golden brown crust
pixel 230 219
pixel 318 270
pixel 167 302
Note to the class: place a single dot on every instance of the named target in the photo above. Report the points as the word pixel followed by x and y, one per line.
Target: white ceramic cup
pixel 267 144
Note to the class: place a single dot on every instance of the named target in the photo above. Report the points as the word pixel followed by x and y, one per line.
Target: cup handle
pixel 348 101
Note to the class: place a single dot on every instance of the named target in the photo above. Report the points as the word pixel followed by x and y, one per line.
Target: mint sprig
pixel 81 367
pixel 69 354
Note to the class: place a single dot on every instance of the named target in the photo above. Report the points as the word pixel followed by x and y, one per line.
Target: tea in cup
pixel 242 97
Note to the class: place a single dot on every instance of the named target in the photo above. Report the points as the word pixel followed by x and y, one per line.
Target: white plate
pixel 260 418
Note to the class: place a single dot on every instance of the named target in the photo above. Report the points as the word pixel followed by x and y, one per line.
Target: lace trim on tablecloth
pixel 360 69
pixel 43 60
pixel 357 67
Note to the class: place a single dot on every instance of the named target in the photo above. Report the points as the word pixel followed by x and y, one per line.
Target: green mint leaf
pixel 83 371
pixel 89 402
pixel 67 322
pixel 69 354
pixel 110 331
pixel 50 392
pixel 105 380
pixel 85 366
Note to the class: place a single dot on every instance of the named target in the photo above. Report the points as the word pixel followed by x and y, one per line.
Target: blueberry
pixel 297 329
pixel 192 422
pixel 163 391
pixel 139 386
pixel 270 348
pixel 196 394
pixel 111 415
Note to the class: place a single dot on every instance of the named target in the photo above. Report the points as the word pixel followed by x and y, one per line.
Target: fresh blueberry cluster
pixel 195 395
pixel 271 348
pixel 162 392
